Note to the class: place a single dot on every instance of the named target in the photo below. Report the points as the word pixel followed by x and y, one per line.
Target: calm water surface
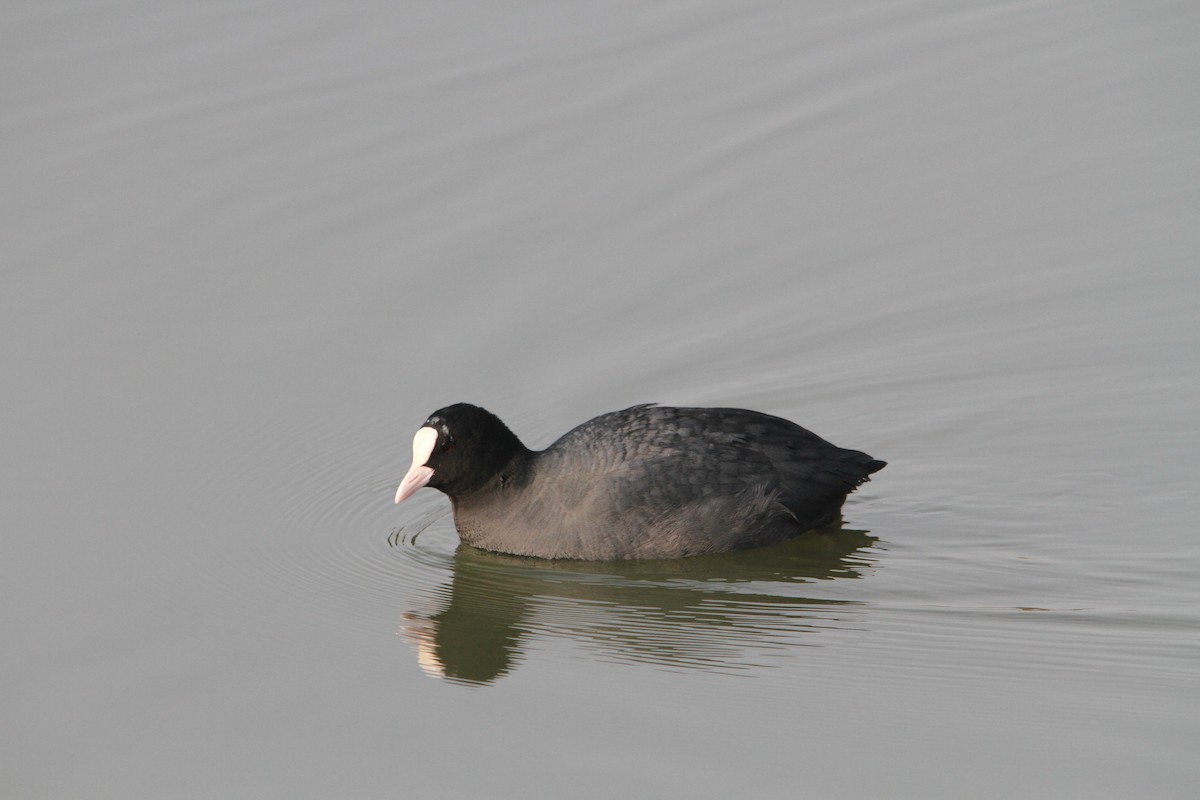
pixel 248 247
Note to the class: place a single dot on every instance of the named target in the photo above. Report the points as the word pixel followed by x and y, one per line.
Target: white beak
pixel 418 474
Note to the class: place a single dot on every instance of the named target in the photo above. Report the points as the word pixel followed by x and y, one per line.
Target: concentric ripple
pixel 313 533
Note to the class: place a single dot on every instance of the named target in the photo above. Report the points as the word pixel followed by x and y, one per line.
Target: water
pixel 249 246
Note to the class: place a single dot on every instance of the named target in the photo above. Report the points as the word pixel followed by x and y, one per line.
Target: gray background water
pixel 248 246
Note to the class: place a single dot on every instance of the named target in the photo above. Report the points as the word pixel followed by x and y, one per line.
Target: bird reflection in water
pixel 728 612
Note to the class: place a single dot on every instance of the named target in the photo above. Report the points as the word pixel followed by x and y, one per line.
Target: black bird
pixel 647 482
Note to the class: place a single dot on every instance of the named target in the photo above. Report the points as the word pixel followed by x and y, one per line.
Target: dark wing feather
pixel 703 475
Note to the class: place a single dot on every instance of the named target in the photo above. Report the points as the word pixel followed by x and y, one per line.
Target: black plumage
pixel 646 482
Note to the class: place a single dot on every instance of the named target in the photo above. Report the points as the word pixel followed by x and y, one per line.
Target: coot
pixel 647 482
